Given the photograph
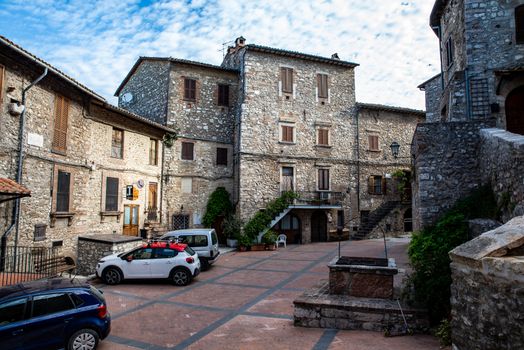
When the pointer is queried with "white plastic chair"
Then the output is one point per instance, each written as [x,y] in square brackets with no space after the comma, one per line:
[281,239]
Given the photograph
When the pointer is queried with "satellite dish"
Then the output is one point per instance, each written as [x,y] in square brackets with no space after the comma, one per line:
[127,97]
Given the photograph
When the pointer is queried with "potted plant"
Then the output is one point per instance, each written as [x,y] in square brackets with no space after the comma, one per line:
[269,239]
[231,228]
[244,242]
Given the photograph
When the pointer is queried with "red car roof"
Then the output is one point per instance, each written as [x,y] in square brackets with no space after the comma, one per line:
[176,246]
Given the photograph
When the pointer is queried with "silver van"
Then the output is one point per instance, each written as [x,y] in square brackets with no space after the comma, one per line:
[203,240]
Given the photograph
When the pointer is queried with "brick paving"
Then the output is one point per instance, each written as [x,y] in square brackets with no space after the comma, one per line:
[245,301]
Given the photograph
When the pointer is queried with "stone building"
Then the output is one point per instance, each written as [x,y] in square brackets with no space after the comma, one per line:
[481,85]
[268,120]
[91,167]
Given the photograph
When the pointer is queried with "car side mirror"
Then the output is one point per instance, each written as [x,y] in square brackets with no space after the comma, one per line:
[129,258]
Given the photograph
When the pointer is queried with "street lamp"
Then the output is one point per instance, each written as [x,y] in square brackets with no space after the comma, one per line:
[394,149]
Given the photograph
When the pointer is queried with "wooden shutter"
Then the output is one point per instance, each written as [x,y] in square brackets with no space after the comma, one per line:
[111,194]
[373,142]
[323,179]
[189,89]
[153,152]
[60,127]
[221,156]
[519,24]
[286,75]
[371,184]
[62,191]
[322,85]
[384,186]
[187,150]
[323,137]
[2,73]
[287,133]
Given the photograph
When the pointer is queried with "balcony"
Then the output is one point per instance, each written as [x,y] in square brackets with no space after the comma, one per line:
[324,199]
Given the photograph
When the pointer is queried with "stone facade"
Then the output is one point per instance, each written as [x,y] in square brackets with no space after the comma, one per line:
[433,91]
[487,295]
[85,154]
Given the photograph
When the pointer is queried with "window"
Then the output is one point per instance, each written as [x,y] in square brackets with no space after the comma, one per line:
[194,240]
[111,194]
[186,185]
[187,150]
[51,303]
[12,311]
[180,222]
[373,143]
[221,156]
[2,72]
[340,218]
[286,77]
[60,129]
[142,253]
[165,253]
[63,191]
[117,144]
[223,95]
[153,152]
[323,137]
[323,179]
[322,85]
[376,185]
[519,24]
[449,52]
[189,89]
[39,234]
[287,132]
[287,179]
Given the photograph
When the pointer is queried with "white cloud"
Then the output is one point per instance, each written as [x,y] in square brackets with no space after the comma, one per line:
[97,42]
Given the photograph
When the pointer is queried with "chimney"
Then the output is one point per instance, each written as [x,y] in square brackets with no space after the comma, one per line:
[335,56]
[240,41]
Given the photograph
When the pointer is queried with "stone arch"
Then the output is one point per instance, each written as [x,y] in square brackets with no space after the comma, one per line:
[514,108]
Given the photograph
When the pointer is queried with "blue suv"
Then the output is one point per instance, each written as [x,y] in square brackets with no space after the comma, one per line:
[53,313]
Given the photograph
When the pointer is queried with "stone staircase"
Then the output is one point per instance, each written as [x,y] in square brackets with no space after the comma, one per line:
[374,219]
[273,222]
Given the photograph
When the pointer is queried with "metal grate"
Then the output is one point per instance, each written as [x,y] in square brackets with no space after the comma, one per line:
[480,107]
[180,222]
[39,234]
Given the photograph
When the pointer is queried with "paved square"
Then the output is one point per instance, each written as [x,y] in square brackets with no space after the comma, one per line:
[245,301]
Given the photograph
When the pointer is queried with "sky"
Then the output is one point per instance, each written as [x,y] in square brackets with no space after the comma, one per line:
[97,42]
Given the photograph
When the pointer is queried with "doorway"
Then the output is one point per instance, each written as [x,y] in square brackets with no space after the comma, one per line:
[131,219]
[318,226]
[515,111]
[152,197]
[290,226]
[408,220]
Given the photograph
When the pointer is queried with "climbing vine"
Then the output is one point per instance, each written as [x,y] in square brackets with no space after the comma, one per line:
[218,204]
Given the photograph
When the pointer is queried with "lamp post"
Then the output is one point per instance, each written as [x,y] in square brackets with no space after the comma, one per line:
[394,149]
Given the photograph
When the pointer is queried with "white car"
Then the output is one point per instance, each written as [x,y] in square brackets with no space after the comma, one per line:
[202,240]
[175,261]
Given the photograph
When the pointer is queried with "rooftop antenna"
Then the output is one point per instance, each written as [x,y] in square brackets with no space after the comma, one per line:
[223,49]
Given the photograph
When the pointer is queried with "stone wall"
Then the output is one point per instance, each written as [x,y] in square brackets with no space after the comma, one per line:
[94,247]
[433,90]
[446,167]
[487,293]
[149,89]
[501,165]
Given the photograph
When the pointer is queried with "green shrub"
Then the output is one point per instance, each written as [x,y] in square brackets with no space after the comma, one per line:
[244,241]
[428,251]
[443,333]
[270,237]
[231,226]
[218,204]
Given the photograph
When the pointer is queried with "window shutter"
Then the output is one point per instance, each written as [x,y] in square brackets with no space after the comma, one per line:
[111,194]
[323,137]
[187,150]
[384,186]
[519,24]
[371,184]
[60,128]
[190,87]
[62,191]
[322,85]
[286,75]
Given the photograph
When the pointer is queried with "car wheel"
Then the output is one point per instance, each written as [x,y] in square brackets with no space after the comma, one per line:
[84,339]
[112,276]
[204,264]
[181,277]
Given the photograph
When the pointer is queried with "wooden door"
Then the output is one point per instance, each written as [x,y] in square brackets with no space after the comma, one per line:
[515,111]
[318,226]
[131,219]
[152,200]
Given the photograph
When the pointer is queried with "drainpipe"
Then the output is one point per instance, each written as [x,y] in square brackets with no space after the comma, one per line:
[21,156]
[358,159]
[239,121]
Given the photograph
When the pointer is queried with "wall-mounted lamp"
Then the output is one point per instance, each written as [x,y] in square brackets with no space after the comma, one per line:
[394,149]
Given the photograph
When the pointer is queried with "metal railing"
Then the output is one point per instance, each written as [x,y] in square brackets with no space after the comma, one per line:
[319,198]
[152,214]
[18,264]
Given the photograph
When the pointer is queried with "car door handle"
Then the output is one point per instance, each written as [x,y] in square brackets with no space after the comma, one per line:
[18,331]
[146,263]
[67,320]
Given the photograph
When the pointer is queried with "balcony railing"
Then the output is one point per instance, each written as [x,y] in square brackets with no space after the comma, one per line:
[319,198]
[152,214]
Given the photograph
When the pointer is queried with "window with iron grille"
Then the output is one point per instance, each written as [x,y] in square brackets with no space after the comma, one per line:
[39,234]
[189,89]
[223,95]
[153,152]
[111,194]
[287,133]
[323,179]
[117,144]
[60,128]
[373,143]
[221,156]
[286,76]
[180,222]
[519,24]
[187,150]
[322,85]
[62,191]
[323,137]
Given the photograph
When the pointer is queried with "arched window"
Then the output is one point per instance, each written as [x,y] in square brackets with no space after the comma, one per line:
[519,24]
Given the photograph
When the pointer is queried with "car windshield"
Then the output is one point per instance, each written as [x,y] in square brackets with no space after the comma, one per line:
[189,251]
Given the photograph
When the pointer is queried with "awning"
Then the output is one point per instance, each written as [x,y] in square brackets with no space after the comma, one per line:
[10,190]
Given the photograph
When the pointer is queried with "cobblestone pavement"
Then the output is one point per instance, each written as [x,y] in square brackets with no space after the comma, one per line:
[245,301]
